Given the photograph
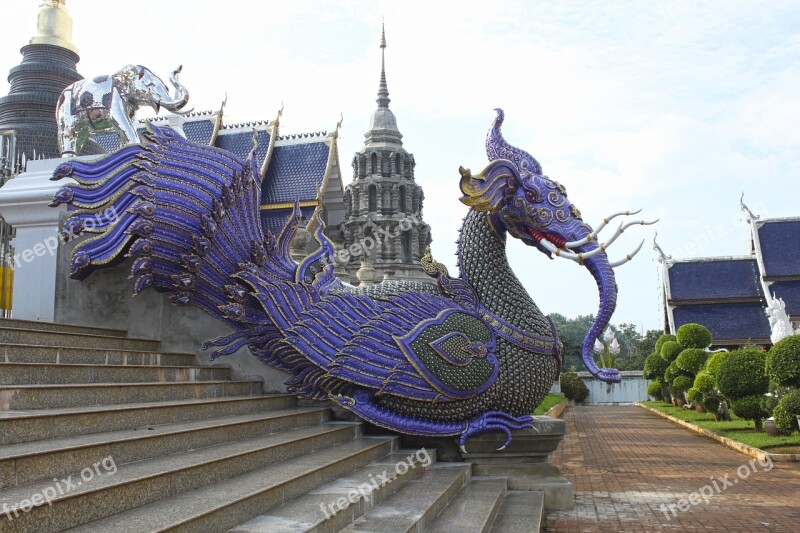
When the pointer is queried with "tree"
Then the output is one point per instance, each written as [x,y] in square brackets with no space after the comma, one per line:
[634,347]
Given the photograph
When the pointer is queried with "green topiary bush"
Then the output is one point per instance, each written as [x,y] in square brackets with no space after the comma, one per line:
[670,350]
[654,366]
[711,404]
[791,403]
[694,395]
[783,361]
[694,336]
[661,340]
[704,382]
[671,372]
[749,408]
[691,360]
[715,361]
[743,374]
[654,390]
[573,387]
[785,422]
[682,383]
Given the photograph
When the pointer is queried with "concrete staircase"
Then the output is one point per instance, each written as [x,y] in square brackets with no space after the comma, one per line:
[101,432]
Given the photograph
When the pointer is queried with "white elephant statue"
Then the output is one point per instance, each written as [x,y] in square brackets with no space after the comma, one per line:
[109,102]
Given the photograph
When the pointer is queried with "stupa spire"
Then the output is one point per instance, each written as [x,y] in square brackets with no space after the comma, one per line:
[383,89]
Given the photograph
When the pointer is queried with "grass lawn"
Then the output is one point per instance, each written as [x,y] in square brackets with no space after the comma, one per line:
[550,401]
[737,429]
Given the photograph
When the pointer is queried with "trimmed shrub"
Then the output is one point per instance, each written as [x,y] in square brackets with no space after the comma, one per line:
[785,422]
[704,382]
[715,361]
[783,361]
[670,350]
[694,395]
[654,390]
[711,404]
[694,336]
[682,383]
[654,366]
[791,403]
[749,408]
[743,374]
[573,387]
[671,372]
[691,360]
[661,340]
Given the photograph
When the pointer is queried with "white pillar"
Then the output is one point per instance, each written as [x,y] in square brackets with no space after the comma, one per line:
[24,204]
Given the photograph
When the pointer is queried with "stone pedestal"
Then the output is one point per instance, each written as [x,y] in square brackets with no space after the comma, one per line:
[525,461]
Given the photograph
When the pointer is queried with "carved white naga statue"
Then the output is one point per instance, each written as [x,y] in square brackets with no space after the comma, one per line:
[779,321]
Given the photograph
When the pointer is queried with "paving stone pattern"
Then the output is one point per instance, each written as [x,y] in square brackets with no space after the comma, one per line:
[626,462]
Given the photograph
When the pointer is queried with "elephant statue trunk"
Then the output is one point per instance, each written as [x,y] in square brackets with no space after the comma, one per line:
[181,97]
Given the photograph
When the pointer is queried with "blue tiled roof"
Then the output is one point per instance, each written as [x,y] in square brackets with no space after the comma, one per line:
[780,247]
[275,219]
[299,169]
[790,292]
[199,131]
[107,139]
[241,142]
[726,321]
[714,280]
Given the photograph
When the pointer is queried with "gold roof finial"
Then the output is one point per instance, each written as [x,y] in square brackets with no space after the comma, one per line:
[383,34]
[54,25]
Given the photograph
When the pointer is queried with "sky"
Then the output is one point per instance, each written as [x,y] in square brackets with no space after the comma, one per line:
[675,107]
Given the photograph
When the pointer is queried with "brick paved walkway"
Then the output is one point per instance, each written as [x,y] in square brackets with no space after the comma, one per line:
[625,463]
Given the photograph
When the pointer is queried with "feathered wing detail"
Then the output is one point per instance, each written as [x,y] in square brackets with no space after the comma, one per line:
[317,268]
[187,216]
[410,345]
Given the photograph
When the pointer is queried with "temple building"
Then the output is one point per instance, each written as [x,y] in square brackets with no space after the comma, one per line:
[731,295]
[375,222]
[383,232]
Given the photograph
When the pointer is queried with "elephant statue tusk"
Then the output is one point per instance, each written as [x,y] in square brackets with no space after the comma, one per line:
[628,257]
[593,235]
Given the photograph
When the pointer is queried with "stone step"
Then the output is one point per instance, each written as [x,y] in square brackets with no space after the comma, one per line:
[33,461]
[143,497]
[30,397]
[50,374]
[336,505]
[32,353]
[474,509]
[27,426]
[35,325]
[522,512]
[417,503]
[11,335]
